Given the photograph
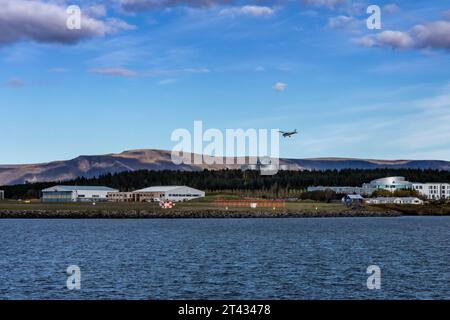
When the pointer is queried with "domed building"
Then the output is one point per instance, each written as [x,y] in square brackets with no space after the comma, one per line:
[390,183]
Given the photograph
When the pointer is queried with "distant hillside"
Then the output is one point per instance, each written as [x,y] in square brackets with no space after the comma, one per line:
[92,166]
[342,163]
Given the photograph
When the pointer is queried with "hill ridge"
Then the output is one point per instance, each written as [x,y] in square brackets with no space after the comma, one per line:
[154,159]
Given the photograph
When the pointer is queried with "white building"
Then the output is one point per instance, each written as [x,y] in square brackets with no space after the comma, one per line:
[433,191]
[76,194]
[171,193]
[389,183]
[430,191]
[394,200]
[2,195]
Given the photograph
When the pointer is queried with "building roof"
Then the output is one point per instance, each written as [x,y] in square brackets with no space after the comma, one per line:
[79,188]
[431,183]
[395,198]
[355,196]
[408,198]
[162,188]
[397,180]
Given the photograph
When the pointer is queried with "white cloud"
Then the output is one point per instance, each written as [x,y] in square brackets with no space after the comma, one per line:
[46,22]
[393,39]
[343,22]
[260,69]
[165,82]
[391,8]
[171,73]
[355,9]
[250,9]
[125,72]
[120,72]
[331,4]
[279,86]
[58,70]
[434,35]
[255,11]
[146,5]
[194,70]
[95,11]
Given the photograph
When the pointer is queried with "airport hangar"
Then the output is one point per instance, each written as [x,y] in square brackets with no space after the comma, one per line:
[76,194]
[157,193]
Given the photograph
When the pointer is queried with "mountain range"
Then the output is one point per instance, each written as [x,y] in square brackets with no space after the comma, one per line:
[149,159]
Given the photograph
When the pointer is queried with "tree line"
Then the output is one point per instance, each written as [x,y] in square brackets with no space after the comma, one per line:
[284,183]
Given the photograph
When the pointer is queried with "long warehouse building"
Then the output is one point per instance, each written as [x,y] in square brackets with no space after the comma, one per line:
[76,194]
[157,193]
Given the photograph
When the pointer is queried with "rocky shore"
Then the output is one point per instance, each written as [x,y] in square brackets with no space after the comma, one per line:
[177,214]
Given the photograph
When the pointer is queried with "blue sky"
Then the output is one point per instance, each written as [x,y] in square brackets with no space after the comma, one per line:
[139,69]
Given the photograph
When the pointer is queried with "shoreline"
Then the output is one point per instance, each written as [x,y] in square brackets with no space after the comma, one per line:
[187,214]
[205,210]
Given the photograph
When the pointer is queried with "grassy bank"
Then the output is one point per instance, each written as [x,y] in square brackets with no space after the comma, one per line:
[424,210]
[205,208]
[207,204]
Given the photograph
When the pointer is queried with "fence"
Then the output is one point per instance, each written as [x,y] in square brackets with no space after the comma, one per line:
[250,203]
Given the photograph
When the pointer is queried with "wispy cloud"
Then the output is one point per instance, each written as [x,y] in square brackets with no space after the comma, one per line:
[194,70]
[119,72]
[58,70]
[434,135]
[419,130]
[174,72]
[331,4]
[235,6]
[391,8]
[255,11]
[15,83]
[125,72]
[348,23]
[166,82]
[95,11]
[340,21]
[146,5]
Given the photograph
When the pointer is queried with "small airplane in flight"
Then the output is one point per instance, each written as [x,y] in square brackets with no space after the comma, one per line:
[288,134]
